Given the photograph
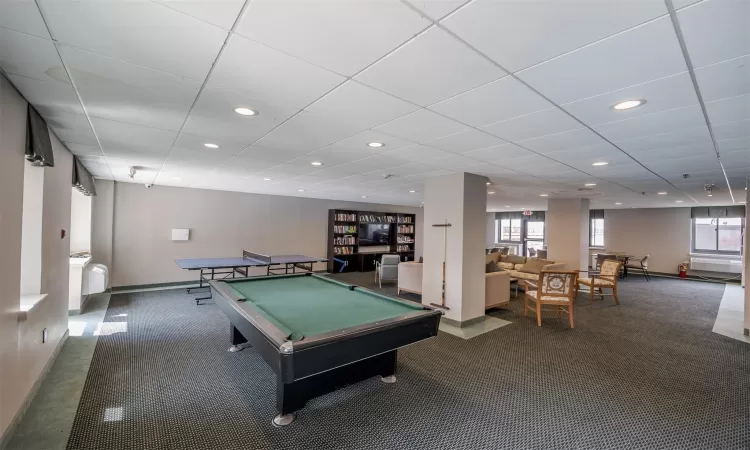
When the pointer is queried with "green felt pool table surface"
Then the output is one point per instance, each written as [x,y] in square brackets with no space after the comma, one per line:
[309,305]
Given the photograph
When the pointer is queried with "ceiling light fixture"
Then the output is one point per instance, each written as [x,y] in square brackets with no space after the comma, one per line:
[544,195]
[245,111]
[266,179]
[590,184]
[316,163]
[661,193]
[600,163]
[618,203]
[300,190]
[491,192]
[488,183]
[678,201]
[364,196]
[176,178]
[628,104]
[710,195]
[209,145]
[376,144]
[412,191]
[507,206]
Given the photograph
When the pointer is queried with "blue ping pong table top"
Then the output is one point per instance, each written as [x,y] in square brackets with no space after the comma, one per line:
[225,263]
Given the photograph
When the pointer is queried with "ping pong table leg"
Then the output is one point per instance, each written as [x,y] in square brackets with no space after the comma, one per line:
[208,297]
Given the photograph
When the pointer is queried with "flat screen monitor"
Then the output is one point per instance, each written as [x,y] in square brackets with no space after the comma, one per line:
[374,234]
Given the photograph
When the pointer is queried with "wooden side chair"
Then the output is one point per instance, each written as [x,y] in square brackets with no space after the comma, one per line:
[605,278]
[557,288]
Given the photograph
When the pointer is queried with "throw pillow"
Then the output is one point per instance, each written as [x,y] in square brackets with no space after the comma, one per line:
[515,259]
[534,265]
[491,267]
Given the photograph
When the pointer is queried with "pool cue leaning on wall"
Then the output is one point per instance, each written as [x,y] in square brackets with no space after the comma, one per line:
[444,226]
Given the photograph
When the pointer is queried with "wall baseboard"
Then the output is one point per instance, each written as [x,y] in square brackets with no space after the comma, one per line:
[5,438]
[116,289]
[77,312]
[465,323]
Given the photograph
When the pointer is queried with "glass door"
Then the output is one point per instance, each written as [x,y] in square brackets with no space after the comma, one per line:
[534,238]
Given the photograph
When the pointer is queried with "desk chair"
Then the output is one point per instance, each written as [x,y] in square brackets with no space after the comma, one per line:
[387,269]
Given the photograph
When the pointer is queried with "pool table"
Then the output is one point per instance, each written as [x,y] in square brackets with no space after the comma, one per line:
[318,334]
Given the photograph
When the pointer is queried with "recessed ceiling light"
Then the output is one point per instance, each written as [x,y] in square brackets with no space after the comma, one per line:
[266,179]
[375,144]
[678,201]
[488,183]
[209,145]
[245,111]
[600,163]
[364,196]
[741,203]
[590,184]
[628,104]
[176,178]
[491,192]
[661,193]
[618,203]
[316,163]
[507,206]
[544,195]
[710,195]
[300,190]
[412,191]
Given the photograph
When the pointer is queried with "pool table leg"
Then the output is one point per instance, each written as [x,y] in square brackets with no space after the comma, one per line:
[291,397]
[238,341]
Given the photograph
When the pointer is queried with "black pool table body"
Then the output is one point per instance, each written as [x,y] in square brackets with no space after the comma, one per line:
[319,364]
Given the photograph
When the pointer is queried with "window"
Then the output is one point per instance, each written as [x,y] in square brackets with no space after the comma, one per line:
[510,230]
[596,234]
[717,235]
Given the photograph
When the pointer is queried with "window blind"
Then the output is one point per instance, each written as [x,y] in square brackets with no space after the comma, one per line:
[596,214]
[82,179]
[709,212]
[38,145]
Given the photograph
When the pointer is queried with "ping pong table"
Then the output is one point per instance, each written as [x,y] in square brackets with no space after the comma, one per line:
[221,268]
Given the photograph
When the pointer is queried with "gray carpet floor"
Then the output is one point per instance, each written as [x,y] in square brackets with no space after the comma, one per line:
[648,374]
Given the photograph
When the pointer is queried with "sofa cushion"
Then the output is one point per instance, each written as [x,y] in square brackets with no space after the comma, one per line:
[491,267]
[515,259]
[517,266]
[494,257]
[525,276]
[534,265]
[505,265]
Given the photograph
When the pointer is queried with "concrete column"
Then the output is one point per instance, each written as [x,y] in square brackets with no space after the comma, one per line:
[461,200]
[567,230]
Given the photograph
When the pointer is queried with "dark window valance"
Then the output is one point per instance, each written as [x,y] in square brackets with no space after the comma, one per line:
[708,212]
[82,179]
[596,214]
[537,216]
[38,145]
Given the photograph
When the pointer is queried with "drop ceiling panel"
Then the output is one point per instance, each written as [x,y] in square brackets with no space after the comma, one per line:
[466,141]
[213,116]
[336,155]
[566,140]
[729,110]
[698,135]
[143,33]
[537,124]
[737,158]
[683,164]
[71,127]
[30,56]
[359,142]
[344,37]
[308,132]
[499,153]
[221,13]
[437,9]
[23,16]
[499,100]
[583,158]
[379,162]
[46,95]
[724,80]
[273,154]
[641,54]
[432,67]
[116,90]
[361,105]
[657,123]
[452,162]
[422,126]
[417,153]
[124,140]
[734,145]
[732,130]
[675,152]
[672,92]
[532,31]
[715,31]
[261,72]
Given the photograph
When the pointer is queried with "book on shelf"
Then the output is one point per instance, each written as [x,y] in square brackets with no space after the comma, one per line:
[404,240]
[403,248]
[345,229]
[404,219]
[345,240]
[406,229]
[343,250]
[373,218]
[341,217]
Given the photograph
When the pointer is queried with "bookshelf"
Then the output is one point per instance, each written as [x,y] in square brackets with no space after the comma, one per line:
[344,238]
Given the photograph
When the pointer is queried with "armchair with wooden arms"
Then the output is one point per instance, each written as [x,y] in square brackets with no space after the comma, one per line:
[557,288]
[605,278]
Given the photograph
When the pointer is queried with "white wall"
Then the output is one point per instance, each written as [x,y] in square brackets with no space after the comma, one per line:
[22,354]
[662,233]
[489,232]
[31,233]
[102,218]
[567,231]
[221,223]
[80,221]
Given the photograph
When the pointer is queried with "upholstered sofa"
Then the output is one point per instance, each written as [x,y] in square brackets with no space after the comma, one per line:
[496,285]
[514,264]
